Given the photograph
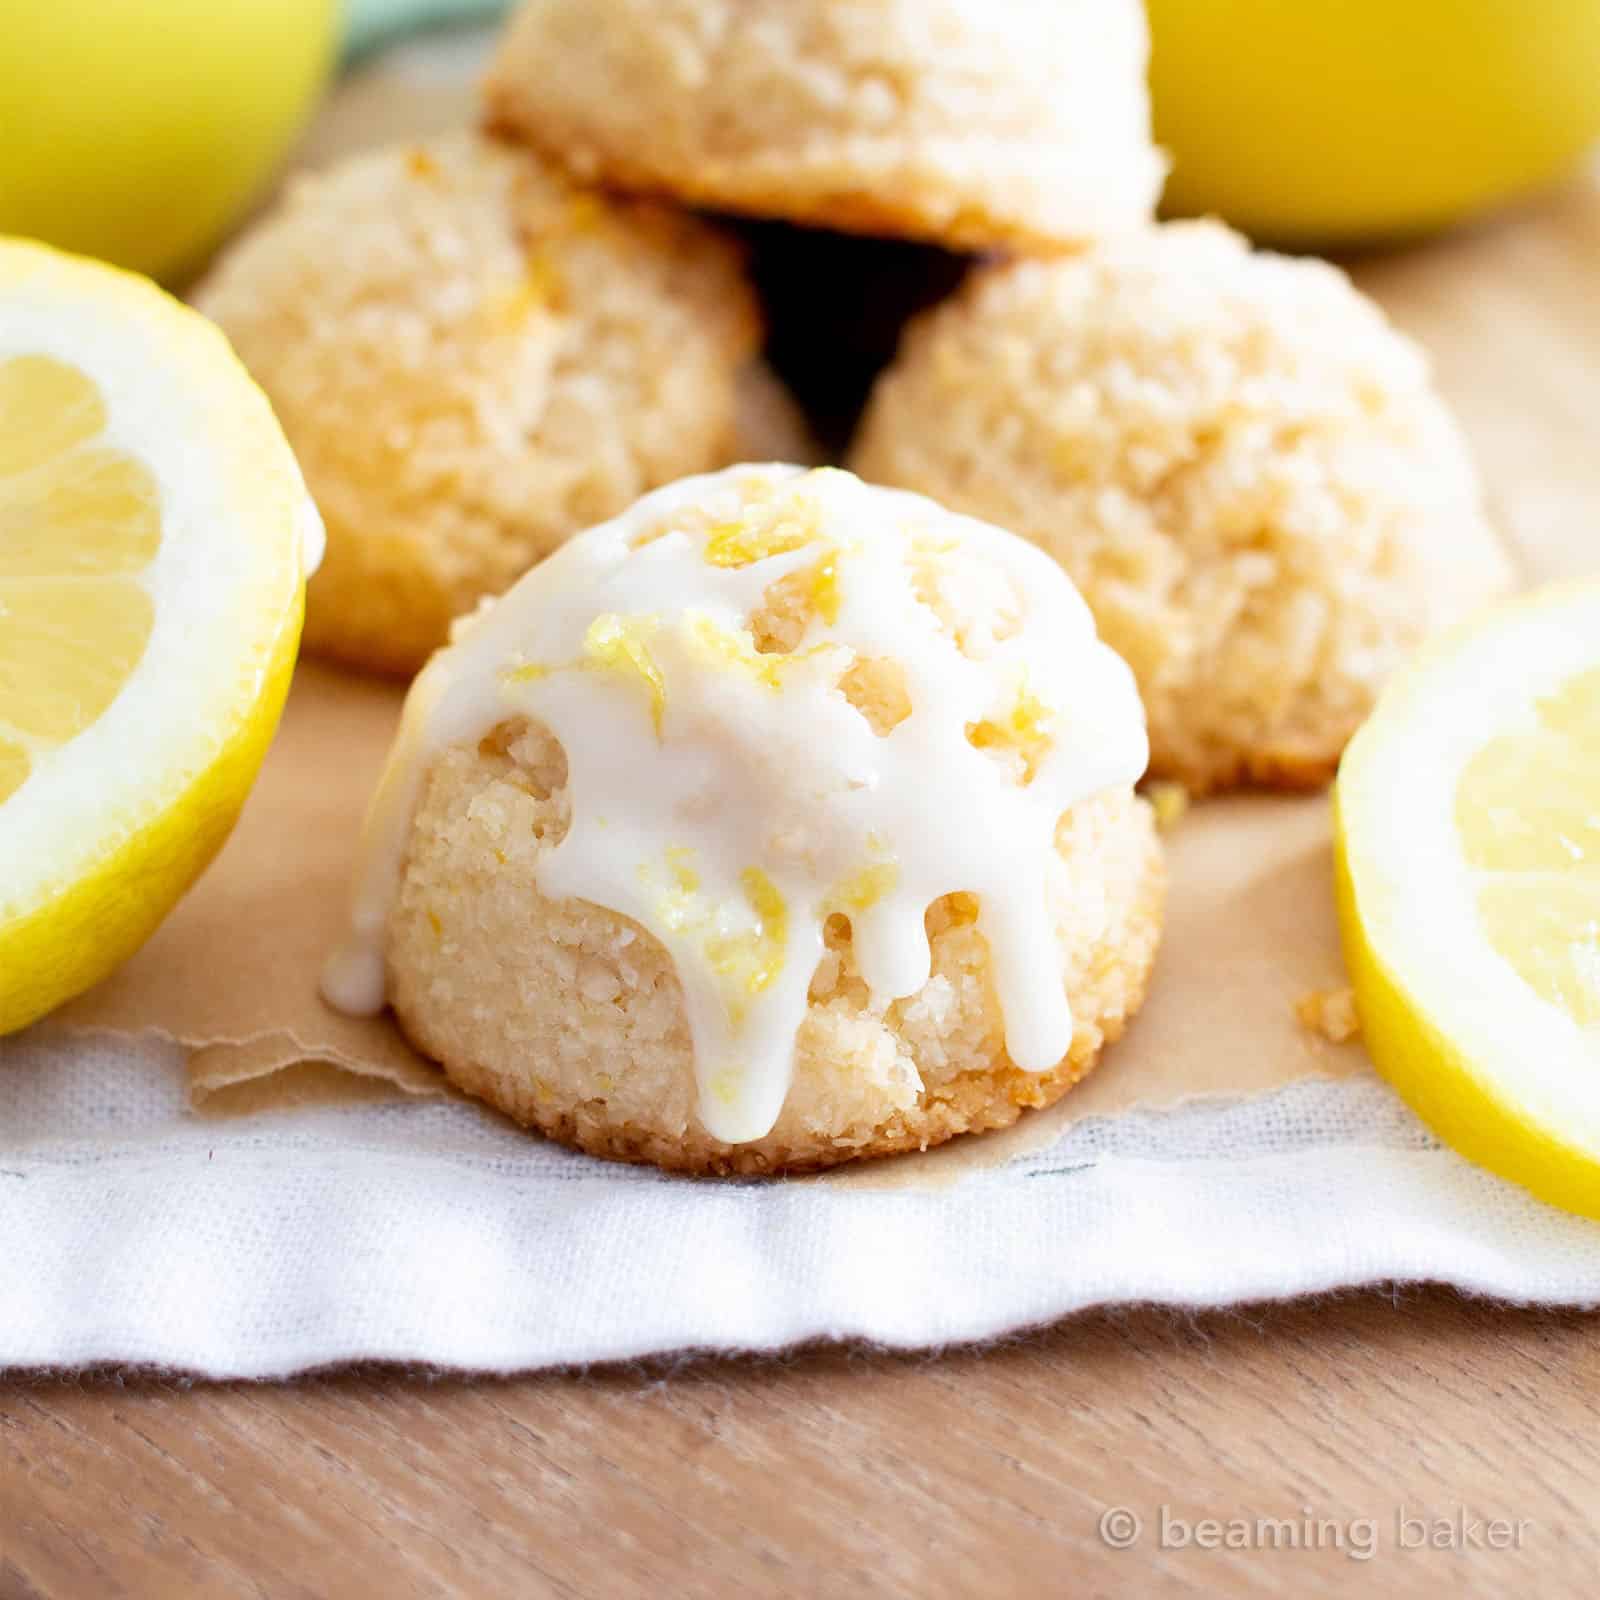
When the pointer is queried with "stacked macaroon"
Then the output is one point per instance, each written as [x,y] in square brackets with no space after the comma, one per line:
[474,358]
[482,344]
[1242,466]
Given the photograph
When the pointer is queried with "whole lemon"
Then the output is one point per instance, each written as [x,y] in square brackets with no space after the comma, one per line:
[136,130]
[1315,122]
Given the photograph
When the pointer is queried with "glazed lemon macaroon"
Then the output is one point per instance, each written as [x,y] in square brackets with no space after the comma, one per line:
[970,123]
[473,359]
[1244,468]
[779,821]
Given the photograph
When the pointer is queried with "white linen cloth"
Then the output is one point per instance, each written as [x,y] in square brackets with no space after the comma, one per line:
[132,1231]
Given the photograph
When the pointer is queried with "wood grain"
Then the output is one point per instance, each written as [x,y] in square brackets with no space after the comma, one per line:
[979,1472]
[842,1472]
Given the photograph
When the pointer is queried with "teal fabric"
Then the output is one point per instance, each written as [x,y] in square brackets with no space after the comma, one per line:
[372,24]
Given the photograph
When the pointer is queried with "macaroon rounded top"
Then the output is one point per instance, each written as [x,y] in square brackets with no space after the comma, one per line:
[473,358]
[972,123]
[1245,469]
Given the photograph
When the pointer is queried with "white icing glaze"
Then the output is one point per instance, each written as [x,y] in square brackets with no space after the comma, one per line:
[729,801]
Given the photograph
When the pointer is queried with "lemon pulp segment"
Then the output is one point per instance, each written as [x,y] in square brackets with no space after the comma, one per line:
[1527,808]
[77,525]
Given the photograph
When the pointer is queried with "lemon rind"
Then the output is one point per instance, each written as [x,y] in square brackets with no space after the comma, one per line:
[126,815]
[1496,1104]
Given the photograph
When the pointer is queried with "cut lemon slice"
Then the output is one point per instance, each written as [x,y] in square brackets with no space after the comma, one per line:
[154,541]
[1468,861]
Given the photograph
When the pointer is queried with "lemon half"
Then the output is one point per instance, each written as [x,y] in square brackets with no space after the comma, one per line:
[1468,866]
[155,537]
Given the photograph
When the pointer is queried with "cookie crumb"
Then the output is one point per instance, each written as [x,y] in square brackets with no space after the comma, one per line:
[1170,801]
[1330,1012]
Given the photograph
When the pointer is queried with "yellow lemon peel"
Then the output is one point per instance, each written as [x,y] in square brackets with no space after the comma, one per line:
[1027,728]
[621,645]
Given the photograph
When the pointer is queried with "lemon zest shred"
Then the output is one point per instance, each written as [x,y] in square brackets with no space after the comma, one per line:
[739,544]
[823,586]
[525,672]
[680,860]
[1028,728]
[620,645]
[751,962]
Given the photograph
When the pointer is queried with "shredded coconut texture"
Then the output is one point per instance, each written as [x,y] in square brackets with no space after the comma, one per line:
[968,122]
[1244,468]
[473,359]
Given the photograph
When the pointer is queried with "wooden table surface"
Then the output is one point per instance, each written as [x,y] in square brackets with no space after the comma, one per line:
[1326,1439]
[1372,1421]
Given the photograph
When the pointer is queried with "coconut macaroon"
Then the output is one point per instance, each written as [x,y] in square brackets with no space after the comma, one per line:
[1244,468]
[472,360]
[780,821]
[971,123]
[769,424]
